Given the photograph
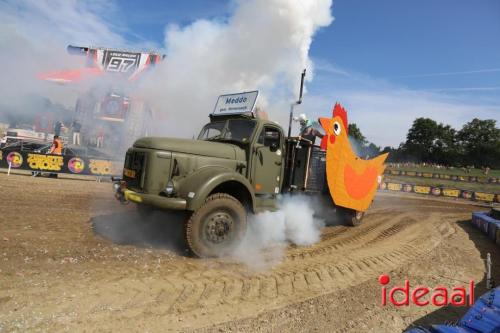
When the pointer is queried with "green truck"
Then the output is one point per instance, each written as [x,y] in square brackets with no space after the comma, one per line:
[239,165]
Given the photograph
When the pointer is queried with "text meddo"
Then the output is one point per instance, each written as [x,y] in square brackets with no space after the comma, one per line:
[232,100]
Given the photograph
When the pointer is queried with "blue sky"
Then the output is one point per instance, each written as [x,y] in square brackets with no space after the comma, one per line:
[443,52]
[400,40]
[446,45]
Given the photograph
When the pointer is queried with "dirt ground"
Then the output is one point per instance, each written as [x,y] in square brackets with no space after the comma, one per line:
[73,259]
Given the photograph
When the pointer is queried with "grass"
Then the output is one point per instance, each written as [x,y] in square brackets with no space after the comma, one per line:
[480,187]
[454,171]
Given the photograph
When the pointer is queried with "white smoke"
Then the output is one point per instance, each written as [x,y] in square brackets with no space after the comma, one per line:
[269,233]
[356,146]
[263,45]
[33,40]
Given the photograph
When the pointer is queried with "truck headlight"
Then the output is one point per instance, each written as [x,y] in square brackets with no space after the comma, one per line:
[170,188]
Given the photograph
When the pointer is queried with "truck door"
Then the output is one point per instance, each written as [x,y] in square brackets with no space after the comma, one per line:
[267,161]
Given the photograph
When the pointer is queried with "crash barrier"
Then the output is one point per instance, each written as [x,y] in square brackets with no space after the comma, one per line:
[488,224]
[440,191]
[483,316]
[19,160]
[458,178]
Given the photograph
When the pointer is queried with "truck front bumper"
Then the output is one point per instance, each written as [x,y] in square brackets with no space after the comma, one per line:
[155,200]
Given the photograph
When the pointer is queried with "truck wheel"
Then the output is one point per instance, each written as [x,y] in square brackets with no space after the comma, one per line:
[217,226]
[350,216]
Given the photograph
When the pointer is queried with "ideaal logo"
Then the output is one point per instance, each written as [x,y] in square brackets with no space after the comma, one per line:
[76,165]
[423,295]
[15,159]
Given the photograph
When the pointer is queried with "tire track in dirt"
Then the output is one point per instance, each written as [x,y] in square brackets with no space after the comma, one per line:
[327,267]
[346,240]
[353,258]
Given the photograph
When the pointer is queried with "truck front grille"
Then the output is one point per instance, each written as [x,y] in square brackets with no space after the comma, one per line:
[136,162]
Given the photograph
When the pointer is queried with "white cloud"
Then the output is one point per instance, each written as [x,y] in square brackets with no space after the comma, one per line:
[477,71]
[321,65]
[384,111]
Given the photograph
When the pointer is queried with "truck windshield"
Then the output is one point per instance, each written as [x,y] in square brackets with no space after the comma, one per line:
[236,130]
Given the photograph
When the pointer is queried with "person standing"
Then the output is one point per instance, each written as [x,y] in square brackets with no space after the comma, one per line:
[57,146]
[57,128]
[76,132]
[307,130]
[100,137]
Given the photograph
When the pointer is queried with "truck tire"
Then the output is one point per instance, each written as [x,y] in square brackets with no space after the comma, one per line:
[350,216]
[216,227]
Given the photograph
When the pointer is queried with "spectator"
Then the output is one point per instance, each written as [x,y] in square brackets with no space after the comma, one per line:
[100,137]
[57,128]
[57,146]
[76,132]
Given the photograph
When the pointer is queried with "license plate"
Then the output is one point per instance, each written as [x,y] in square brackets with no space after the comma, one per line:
[129,173]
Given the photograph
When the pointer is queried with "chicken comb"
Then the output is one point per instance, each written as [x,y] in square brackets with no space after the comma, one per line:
[339,111]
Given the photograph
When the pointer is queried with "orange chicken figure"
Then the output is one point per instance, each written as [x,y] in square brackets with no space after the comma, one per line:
[352,181]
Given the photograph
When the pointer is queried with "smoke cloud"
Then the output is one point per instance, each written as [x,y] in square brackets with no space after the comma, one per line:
[263,45]
[269,233]
[356,146]
[33,39]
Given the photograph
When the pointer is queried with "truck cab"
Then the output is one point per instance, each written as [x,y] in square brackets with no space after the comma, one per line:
[263,145]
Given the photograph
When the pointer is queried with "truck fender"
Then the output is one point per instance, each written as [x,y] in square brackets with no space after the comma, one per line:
[199,185]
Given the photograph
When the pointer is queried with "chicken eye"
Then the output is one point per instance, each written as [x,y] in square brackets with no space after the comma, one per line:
[336,128]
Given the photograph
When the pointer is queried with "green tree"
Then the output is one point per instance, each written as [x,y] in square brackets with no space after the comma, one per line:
[444,149]
[428,141]
[372,150]
[420,139]
[363,147]
[479,142]
[355,133]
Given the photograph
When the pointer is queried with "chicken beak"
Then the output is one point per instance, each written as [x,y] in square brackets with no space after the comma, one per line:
[326,123]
